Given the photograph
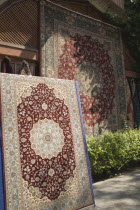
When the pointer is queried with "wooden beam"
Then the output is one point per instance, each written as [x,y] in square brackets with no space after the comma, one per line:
[132,74]
[72,2]
[19,53]
[6,4]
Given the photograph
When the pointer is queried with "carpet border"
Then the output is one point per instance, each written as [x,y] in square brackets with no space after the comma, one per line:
[84,139]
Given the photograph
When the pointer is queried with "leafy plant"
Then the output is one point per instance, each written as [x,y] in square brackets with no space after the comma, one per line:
[111,153]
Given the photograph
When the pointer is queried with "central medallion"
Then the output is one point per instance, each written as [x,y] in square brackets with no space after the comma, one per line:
[44,138]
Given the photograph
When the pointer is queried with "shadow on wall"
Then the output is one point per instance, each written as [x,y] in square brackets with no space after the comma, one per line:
[86,60]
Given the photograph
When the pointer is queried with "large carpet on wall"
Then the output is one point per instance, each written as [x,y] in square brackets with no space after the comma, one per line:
[78,48]
[45,156]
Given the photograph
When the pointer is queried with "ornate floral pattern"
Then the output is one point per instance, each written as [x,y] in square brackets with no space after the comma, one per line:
[83,49]
[44,155]
[90,52]
[48,174]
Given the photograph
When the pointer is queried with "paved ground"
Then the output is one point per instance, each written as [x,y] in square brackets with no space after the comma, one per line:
[119,193]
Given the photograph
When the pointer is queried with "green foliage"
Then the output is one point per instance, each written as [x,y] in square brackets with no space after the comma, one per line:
[129,23]
[112,152]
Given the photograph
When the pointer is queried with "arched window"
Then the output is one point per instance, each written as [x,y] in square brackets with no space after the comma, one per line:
[14,66]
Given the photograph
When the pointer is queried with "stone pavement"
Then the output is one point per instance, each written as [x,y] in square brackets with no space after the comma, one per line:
[119,193]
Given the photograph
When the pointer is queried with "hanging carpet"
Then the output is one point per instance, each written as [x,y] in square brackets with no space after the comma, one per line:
[45,156]
[80,48]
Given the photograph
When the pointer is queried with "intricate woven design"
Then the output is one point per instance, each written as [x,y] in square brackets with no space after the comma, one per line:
[44,152]
[19,24]
[82,49]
